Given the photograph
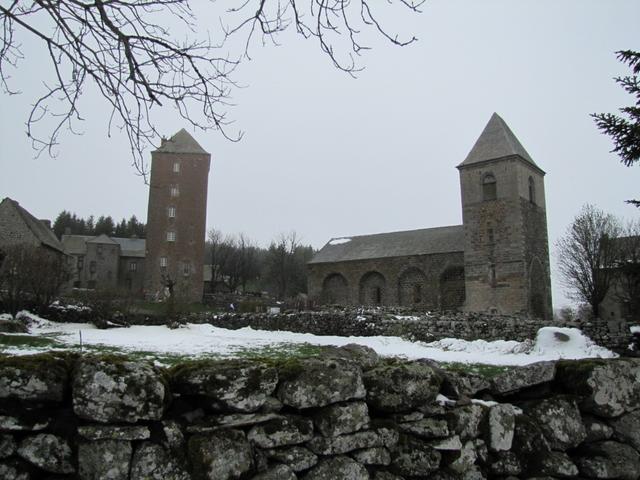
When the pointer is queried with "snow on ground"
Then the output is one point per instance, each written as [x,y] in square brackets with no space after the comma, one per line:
[551,343]
[635,329]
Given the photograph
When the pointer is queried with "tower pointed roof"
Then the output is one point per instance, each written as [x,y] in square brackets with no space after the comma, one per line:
[181,142]
[496,141]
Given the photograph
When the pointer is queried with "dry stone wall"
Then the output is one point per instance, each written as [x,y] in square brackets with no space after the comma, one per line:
[421,327]
[344,415]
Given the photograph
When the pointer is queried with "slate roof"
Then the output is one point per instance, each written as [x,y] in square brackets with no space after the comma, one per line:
[129,247]
[132,247]
[41,231]
[181,142]
[75,244]
[395,244]
[496,141]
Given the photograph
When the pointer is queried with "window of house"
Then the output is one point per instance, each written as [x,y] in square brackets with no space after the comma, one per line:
[99,249]
[172,212]
[133,267]
[80,264]
[186,269]
[92,267]
[488,187]
[492,275]
[163,262]
[532,190]
[175,191]
[171,236]
[176,167]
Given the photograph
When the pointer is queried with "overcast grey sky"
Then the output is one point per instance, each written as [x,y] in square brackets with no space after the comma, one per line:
[328,156]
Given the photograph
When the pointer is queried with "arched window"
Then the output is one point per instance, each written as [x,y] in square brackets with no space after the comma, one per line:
[532,190]
[488,187]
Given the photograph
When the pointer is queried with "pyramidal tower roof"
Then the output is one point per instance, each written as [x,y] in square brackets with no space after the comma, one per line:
[181,142]
[496,141]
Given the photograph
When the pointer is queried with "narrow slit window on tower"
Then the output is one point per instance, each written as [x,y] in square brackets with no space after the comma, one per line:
[172,212]
[171,236]
[176,167]
[488,187]
[532,190]
[186,269]
[163,262]
[175,191]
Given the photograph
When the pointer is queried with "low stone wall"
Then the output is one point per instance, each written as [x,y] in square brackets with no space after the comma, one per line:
[427,328]
[344,415]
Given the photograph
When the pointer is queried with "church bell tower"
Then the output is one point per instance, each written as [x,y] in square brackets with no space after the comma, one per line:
[506,253]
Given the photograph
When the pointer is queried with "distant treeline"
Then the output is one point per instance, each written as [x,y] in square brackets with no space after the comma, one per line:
[67,222]
[238,264]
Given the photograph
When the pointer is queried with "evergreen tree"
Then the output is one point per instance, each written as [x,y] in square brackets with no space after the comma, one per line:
[121,229]
[105,225]
[625,130]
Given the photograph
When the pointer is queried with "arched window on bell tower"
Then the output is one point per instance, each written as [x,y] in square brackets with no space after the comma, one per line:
[532,190]
[488,187]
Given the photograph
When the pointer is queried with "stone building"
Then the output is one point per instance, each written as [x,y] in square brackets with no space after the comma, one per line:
[103,262]
[496,261]
[19,227]
[176,218]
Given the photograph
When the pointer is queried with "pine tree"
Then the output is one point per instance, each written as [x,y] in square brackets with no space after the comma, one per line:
[625,130]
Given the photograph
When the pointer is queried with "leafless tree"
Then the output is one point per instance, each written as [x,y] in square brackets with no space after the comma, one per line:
[131,51]
[587,256]
[31,275]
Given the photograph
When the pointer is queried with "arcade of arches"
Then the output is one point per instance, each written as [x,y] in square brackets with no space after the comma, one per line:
[411,288]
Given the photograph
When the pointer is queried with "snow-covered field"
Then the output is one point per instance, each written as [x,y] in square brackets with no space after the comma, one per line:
[205,340]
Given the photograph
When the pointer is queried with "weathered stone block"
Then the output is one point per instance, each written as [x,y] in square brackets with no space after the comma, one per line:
[398,388]
[414,457]
[14,469]
[596,429]
[352,441]
[285,430]
[277,472]
[558,464]
[7,445]
[236,385]
[152,462]
[220,456]
[609,459]
[24,422]
[372,456]
[427,428]
[98,432]
[49,452]
[609,387]
[37,378]
[104,460]
[519,378]
[337,468]
[506,463]
[297,457]
[118,391]
[560,422]
[499,427]
[465,421]
[627,429]
[317,383]
[342,418]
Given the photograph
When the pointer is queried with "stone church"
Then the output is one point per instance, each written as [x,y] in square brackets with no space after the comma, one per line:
[497,261]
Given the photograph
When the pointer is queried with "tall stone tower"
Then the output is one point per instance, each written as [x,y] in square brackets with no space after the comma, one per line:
[176,218]
[506,255]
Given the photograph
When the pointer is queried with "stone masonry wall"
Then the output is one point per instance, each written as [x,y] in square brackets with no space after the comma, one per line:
[423,327]
[344,415]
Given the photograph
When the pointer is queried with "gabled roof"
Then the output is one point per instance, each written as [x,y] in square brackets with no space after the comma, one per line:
[75,244]
[181,142]
[496,141]
[129,247]
[103,239]
[41,231]
[395,244]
